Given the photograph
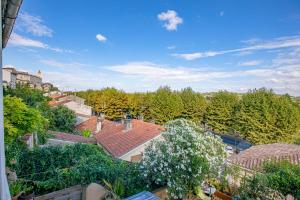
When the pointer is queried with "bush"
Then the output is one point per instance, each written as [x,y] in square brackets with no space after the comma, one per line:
[185,157]
[62,119]
[276,178]
[55,168]
[86,133]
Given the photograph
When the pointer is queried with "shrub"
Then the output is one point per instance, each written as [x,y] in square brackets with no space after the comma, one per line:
[86,133]
[276,178]
[55,168]
[185,157]
[62,119]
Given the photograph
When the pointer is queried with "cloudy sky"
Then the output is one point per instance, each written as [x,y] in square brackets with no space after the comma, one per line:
[138,45]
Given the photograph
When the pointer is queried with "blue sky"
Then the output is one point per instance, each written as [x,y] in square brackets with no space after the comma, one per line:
[139,45]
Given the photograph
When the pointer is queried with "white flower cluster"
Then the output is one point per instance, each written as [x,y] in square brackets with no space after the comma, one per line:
[185,157]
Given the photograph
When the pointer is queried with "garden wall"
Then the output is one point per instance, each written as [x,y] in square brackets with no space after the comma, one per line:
[75,193]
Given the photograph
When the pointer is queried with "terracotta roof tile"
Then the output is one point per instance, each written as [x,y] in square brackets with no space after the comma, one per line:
[72,137]
[118,142]
[89,124]
[254,157]
[56,103]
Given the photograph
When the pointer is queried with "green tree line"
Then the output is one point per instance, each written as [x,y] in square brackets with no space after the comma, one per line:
[260,115]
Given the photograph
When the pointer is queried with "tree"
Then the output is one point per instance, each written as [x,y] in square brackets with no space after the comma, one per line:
[264,117]
[166,105]
[31,97]
[110,101]
[219,112]
[185,157]
[62,119]
[19,119]
[194,105]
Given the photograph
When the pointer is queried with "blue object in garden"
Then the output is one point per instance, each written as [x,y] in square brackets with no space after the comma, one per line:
[143,196]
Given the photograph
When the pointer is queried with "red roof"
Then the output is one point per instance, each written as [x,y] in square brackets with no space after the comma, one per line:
[254,157]
[56,103]
[89,124]
[72,137]
[118,142]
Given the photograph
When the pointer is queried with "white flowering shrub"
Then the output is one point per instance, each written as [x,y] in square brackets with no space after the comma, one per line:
[185,157]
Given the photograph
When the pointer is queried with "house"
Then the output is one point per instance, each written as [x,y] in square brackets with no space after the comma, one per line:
[9,75]
[127,139]
[60,138]
[12,77]
[252,159]
[92,124]
[47,87]
[74,103]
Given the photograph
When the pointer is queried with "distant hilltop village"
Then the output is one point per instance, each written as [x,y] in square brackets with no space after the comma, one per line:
[13,77]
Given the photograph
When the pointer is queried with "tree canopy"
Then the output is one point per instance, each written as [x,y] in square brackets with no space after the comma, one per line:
[220,110]
[20,119]
[62,119]
[264,117]
[194,105]
[166,105]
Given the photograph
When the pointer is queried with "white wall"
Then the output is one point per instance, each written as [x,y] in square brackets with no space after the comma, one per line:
[79,108]
[138,150]
[6,75]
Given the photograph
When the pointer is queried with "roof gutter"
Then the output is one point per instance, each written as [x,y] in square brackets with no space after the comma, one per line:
[10,9]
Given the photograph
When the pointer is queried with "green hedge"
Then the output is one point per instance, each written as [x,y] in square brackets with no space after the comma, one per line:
[55,168]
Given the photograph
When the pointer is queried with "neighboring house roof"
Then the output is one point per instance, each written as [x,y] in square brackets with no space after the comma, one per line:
[254,157]
[57,103]
[89,124]
[118,142]
[72,137]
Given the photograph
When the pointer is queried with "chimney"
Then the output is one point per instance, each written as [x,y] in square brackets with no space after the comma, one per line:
[141,117]
[100,120]
[128,124]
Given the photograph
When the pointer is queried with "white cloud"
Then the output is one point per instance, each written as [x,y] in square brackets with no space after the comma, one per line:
[277,43]
[171,47]
[283,78]
[18,40]
[101,38]
[149,70]
[193,56]
[221,13]
[32,24]
[250,63]
[172,20]
[55,63]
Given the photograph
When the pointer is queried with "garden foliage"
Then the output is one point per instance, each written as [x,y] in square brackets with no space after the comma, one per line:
[54,168]
[185,157]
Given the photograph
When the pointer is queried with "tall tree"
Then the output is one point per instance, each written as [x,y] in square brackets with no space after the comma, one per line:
[194,105]
[219,112]
[20,119]
[166,105]
[264,117]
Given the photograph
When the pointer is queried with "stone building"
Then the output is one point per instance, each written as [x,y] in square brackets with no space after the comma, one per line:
[9,76]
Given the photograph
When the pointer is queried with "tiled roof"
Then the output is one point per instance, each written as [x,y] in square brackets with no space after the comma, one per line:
[56,103]
[72,137]
[118,142]
[254,157]
[89,124]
